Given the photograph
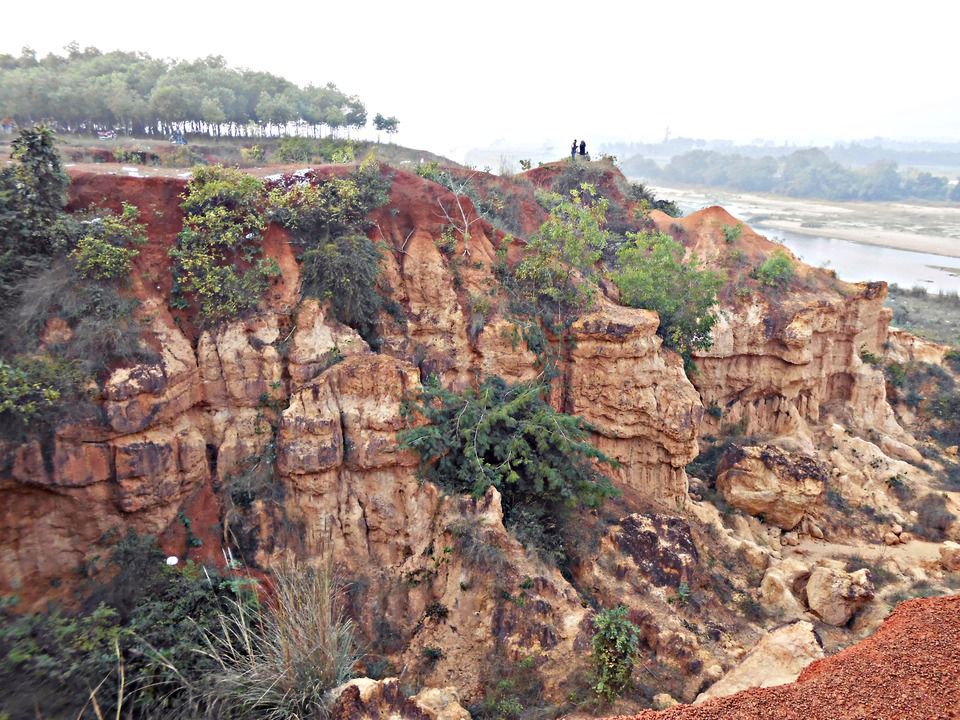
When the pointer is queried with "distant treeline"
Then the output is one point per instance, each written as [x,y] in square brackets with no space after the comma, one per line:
[87,90]
[855,154]
[802,173]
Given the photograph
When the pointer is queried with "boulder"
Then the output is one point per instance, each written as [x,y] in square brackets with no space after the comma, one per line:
[835,595]
[768,481]
[441,704]
[777,659]
[662,701]
[950,556]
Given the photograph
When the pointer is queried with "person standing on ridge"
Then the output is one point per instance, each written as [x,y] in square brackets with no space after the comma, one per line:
[573,150]
[583,148]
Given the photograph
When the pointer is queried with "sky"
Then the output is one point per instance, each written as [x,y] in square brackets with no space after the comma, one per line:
[463,75]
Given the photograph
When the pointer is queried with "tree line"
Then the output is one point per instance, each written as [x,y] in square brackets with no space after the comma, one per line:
[88,91]
[803,173]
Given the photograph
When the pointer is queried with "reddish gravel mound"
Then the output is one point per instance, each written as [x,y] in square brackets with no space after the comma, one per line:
[908,670]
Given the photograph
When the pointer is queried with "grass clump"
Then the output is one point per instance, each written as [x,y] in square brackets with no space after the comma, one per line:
[280,660]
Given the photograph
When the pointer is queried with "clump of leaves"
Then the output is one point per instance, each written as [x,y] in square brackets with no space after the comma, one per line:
[509,437]
[108,246]
[217,259]
[32,390]
[776,271]
[652,274]
[571,241]
[341,264]
[615,646]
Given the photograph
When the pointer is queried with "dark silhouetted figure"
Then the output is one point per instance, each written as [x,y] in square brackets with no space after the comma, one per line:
[573,150]
[583,148]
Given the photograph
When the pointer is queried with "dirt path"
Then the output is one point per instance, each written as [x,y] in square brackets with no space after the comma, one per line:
[911,554]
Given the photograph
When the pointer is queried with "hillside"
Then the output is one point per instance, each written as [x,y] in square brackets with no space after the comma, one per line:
[266,419]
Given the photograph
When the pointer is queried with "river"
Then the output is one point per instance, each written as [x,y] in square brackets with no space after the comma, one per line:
[852,261]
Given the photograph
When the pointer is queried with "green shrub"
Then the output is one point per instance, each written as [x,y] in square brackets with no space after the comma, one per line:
[508,436]
[653,275]
[106,250]
[154,615]
[569,242]
[615,646]
[295,149]
[222,234]
[32,392]
[253,154]
[32,197]
[344,272]
[341,264]
[776,271]
[732,233]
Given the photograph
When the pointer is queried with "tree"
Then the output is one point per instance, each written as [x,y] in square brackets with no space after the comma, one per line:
[569,243]
[653,275]
[508,437]
[389,125]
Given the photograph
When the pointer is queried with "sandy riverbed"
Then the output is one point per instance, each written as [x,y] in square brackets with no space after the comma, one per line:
[929,228]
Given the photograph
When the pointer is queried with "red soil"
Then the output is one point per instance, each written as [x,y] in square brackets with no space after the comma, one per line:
[908,670]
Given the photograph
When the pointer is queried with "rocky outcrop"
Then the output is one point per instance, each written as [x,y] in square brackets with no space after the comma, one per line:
[644,411]
[777,659]
[770,482]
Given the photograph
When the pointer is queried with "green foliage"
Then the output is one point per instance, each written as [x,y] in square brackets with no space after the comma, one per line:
[134,93]
[732,233]
[32,390]
[32,198]
[653,275]
[296,149]
[808,172]
[344,272]
[389,125]
[569,243]
[216,259]
[615,646]
[154,615]
[341,264]
[509,437]
[105,251]
[253,154]
[776,271]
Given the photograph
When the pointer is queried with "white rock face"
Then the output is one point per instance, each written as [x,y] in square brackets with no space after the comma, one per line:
[777,659]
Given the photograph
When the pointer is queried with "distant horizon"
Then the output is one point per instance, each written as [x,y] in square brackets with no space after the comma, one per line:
[458,77]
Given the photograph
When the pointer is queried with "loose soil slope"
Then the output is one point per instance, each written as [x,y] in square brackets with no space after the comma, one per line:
[907,669]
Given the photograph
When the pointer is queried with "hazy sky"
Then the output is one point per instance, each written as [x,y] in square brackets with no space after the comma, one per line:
[460,75]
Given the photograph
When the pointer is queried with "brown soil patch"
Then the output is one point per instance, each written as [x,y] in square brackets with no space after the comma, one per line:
[906,671]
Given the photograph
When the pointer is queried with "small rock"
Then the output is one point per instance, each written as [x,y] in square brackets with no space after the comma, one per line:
[897,518]
[897,528]
[950,556]
[816,532]
[890,538]
[713,673]
[952,451]
[905,537]
[663,701]
[790,538]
